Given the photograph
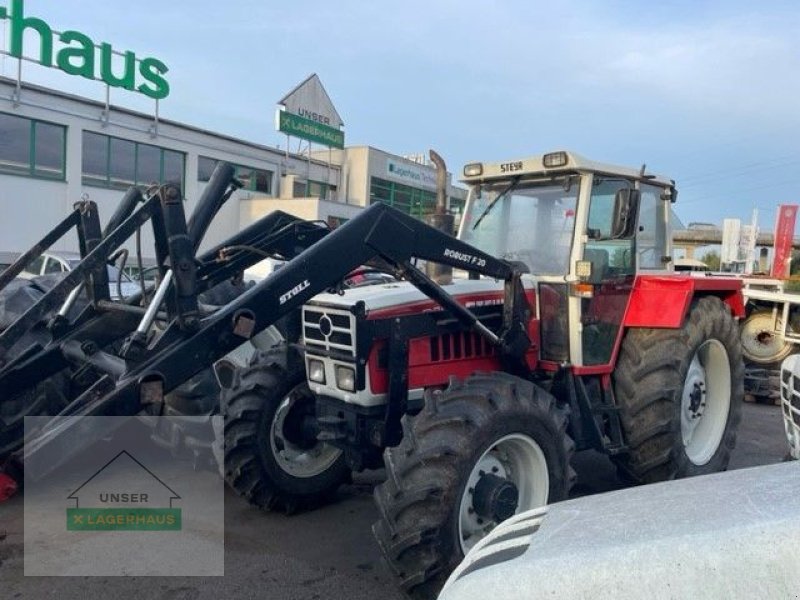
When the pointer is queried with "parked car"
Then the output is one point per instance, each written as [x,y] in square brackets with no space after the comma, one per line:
[62,262]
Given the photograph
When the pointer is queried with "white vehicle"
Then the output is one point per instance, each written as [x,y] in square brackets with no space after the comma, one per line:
[721,536]
[119,284]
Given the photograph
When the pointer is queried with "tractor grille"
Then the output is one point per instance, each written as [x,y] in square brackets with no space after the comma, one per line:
[790,402]
[329,329]
[459,345]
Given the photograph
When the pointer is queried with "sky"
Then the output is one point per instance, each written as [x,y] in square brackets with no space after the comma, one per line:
[703,92]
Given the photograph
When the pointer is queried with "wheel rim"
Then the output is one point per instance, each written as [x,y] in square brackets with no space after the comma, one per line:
[515,459]
[293,459]
[761,342]
[706,401]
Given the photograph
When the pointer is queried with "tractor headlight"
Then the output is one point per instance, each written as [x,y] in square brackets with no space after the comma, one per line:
[583,269]
[554,159]
[473,170]
[346,379]
[316,371]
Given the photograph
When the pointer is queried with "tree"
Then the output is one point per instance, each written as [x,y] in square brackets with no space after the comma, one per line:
[712,260]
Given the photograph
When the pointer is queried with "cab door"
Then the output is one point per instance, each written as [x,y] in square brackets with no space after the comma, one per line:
[613,268]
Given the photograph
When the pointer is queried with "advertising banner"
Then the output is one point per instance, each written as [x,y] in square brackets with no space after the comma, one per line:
[784,235]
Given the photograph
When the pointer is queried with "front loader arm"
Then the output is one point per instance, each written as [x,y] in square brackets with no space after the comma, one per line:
[380,232]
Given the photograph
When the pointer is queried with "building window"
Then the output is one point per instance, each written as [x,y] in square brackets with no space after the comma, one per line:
[118,164]
[32,148]
[313,189]
[410,200]
[253,180]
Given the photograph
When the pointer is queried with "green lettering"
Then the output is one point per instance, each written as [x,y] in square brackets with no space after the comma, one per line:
[3,12]
[152,70]
[18,26]
[127,80]
[84,52]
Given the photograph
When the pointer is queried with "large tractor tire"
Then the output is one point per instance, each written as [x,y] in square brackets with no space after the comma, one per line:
[680,394]
[760,344]
[45,399]
[271,457]
[478,453]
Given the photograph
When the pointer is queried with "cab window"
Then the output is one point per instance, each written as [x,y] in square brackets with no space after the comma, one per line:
[609,257]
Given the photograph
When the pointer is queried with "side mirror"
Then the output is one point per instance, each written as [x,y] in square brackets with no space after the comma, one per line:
[626,211]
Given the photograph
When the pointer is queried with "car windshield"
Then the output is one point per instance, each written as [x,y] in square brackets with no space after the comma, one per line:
[528,222]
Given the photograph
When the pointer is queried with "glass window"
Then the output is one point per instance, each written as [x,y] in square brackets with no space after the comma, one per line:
[609,258]
[49,150]
[148,164]
[205,167]
[530,222]
[118,163]
[252,179]
[122,163]
[299,189]
[173,167]
[95,158]
[246,176]
[651,242]
[264,181]
[15,144]
[30,147]
[53,266]
[413,201]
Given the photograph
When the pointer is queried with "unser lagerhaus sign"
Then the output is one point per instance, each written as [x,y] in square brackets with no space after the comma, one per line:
[77,54]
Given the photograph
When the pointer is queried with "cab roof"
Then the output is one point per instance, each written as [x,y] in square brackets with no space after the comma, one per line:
[567,162]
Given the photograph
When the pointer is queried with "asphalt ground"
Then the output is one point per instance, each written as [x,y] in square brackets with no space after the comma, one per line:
[326,554]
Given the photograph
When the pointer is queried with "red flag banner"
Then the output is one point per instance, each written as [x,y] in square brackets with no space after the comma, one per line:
[784,235]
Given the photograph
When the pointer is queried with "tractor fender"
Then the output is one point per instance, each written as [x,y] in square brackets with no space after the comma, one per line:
[664,301]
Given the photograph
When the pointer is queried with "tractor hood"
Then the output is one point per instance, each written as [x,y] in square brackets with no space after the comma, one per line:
[402,293]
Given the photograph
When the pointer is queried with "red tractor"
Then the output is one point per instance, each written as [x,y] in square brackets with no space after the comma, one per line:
[568,330]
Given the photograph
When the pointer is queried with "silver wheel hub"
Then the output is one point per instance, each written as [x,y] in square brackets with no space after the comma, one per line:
[705,401]
[510,477]
[302,461]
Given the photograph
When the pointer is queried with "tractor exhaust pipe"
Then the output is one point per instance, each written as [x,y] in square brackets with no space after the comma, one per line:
[440,220]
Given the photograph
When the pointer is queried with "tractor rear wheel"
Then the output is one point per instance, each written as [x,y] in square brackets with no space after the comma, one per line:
[271,457]
[478,453]
[680,394]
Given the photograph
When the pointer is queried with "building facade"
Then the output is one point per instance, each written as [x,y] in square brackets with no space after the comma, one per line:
[57,148]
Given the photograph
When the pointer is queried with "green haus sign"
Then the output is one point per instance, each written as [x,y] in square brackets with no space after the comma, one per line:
[78,54]
[310,130]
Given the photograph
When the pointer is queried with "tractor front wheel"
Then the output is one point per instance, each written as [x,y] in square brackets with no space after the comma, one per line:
[478,453]
[680,395]
[272,456]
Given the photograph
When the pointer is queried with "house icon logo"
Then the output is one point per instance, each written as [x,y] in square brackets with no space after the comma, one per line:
[123,495]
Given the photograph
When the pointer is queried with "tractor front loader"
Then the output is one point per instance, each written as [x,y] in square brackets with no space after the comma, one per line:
[64,342]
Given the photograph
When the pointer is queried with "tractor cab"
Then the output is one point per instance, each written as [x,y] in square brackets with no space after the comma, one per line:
[584,230]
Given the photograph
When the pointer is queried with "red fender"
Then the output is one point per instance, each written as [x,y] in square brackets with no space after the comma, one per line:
[663,301]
